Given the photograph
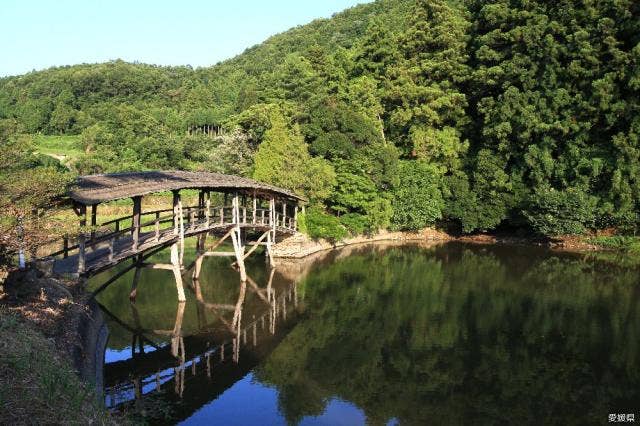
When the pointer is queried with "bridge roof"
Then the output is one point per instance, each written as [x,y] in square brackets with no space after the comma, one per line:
[95,189]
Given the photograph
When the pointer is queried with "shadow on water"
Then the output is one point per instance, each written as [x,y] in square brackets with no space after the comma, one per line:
[445,334]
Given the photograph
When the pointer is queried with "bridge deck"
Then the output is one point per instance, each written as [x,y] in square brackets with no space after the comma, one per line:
[102,256]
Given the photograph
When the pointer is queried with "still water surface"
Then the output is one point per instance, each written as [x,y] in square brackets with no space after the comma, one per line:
[447,334]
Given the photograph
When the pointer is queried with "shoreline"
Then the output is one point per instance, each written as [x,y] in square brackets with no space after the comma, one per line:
[300,246]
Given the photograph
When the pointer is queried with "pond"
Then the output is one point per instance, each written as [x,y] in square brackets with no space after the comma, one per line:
[382,334]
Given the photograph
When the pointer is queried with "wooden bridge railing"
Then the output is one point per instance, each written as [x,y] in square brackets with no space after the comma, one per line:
[112,231]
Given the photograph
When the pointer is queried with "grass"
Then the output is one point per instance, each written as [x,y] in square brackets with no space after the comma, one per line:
[37,385]
[64,148]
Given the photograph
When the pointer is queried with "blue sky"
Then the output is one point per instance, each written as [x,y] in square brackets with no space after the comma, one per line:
[41,34]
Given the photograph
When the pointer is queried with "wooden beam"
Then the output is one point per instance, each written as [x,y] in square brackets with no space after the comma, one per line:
[176,200]
[257,243]
[135,225]
[239,252]
[175,261]
[94,222]
[134,284]
[255,208]
[207,207]
[165,266]
[221,240]
[219,254]
[81,239]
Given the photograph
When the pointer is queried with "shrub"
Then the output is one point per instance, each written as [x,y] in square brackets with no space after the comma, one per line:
[355,223]
[417,200]
[322,225]
[553,212]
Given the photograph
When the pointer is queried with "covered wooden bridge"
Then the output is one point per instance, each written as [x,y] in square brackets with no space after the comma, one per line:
[250,213]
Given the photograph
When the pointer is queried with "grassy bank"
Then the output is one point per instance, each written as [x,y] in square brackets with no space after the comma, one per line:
[37,384]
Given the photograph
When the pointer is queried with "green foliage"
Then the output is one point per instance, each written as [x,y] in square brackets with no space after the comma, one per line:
[417,200]
[501,97]
[322,225]
[355,223]
[22,197]
[553,212]
[283,160]
[231,154]
[302,223]
[626,244]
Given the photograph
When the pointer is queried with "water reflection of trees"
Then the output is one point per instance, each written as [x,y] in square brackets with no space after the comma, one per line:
[482,335]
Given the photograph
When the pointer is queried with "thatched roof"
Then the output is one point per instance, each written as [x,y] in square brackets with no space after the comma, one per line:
[96,189]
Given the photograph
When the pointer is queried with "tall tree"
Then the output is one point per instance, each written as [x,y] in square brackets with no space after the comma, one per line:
[283,159]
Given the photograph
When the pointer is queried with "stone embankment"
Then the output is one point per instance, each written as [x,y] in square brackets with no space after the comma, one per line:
[299,245]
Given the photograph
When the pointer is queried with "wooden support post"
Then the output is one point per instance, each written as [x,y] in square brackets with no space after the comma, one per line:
[135,231]
[181,217]
[199,256]
[136,278]
[176,221]
[295,218]
[175,262]
[81,240]
[111,249]
[157,226]
[65,247]
[201,204]
[236,209]
[239,252]
[177,341]
[268,254]
[272,209]
[207,207]
[284,214]
[255,207]
[94,222]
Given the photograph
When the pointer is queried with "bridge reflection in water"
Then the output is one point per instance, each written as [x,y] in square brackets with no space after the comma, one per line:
[194,366]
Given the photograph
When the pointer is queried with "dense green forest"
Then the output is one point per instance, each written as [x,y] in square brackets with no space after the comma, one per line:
[399,114]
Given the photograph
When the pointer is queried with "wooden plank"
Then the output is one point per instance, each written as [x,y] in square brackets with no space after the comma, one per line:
[165,266]
[219,254]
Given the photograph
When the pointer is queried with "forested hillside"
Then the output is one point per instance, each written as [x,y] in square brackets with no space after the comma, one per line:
[396,114]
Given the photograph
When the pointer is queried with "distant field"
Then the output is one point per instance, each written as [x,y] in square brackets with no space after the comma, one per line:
[64,148]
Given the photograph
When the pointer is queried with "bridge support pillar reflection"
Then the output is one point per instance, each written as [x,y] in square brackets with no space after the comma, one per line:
[177,273]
